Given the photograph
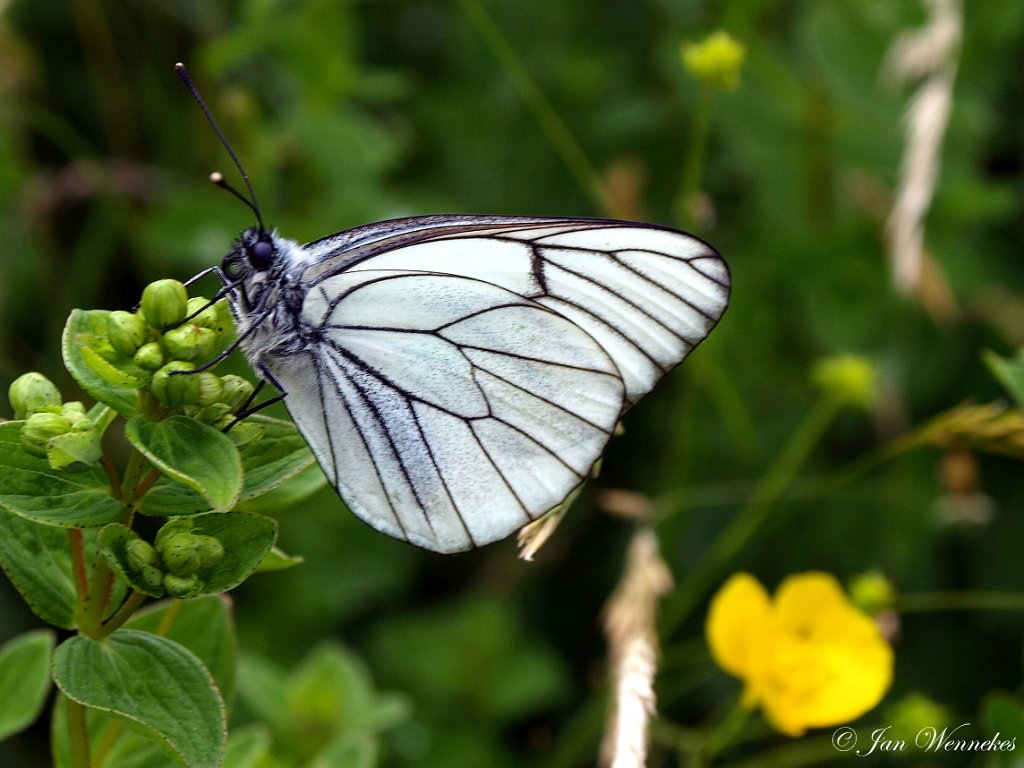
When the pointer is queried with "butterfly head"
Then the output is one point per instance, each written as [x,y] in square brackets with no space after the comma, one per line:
[254,252]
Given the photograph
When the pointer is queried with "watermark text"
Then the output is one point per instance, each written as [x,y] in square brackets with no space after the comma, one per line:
[929,739]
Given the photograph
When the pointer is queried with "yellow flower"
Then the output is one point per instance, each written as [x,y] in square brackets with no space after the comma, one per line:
[715,61]
[809,658]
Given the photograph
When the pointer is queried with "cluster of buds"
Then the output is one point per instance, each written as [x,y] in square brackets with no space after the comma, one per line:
[63,433]
[167,338]
[176,561]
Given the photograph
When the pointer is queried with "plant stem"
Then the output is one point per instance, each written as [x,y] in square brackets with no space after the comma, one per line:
[723,735]
[135,599]
[960,601]
[750,517]
[132,474]
[693,166]
[100,586]
[547,116]
[78,733]
[112,476]
[78,562]
[168,618]
[147,482]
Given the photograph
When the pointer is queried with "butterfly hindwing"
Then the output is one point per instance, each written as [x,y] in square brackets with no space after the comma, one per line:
[458,425]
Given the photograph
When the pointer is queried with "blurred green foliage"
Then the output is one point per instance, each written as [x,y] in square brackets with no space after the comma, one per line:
[348,112]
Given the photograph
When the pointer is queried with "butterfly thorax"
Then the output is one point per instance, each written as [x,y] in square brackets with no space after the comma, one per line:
[268,297]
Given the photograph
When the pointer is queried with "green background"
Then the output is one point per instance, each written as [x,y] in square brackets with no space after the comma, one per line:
[350,112]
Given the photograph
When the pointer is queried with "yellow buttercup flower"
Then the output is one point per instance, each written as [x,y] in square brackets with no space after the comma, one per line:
[809,658]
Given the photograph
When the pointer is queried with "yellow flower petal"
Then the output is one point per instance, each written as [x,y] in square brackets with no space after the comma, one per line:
[737,625]
[830,663]
[811,659]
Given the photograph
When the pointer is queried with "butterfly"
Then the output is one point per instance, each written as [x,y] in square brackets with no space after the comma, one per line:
[458,376]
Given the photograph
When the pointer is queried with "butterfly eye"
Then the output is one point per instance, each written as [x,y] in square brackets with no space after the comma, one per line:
[232,266]
[260,255]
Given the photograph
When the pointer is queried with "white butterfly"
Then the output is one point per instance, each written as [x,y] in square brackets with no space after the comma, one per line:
[458,376]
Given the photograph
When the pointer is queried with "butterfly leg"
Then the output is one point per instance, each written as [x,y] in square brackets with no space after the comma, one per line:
[248,409]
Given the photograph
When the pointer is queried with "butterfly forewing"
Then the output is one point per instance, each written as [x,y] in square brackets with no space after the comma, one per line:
[461,375]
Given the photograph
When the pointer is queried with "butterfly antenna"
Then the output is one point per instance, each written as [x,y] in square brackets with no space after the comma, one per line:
[251,202]
[217,178]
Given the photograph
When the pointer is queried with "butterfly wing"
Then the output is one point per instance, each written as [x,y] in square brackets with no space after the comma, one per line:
[466,372]
[647,294]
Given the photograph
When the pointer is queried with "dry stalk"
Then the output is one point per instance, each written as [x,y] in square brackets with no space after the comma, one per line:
[929,54]
[629,622]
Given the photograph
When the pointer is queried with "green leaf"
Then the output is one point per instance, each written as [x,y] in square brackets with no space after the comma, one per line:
[351,750]
[1003,713]
[132,748]
[169,498]
[262,686]
[328,697]
[277,458]
[248,747]
[205,626]
[74,447]
[193,453]
[333,684]
[87,356]
[289,493]
[37,560]
[31,488]
[151,681]
[1008,371]
[511,677]
[276,560]
[246,537]
[24,679]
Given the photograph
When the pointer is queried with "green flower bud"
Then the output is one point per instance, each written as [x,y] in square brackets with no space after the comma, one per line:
[190,342]
[215,414]
[872,592]
[126,332]
[39,428]
[236,391]
[139,554]
[151,576]
[75,413]
[210,388]
[914,713]
[715,61]
[177,525]
[182,587]
[215,316]
[210,550]
[164,303]
[175,391]
[847,379]
[149,357]
[30,391]
[180,554]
